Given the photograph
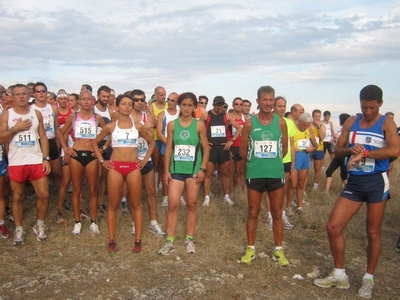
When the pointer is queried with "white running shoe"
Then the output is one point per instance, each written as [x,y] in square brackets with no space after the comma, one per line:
[133,230]
[183,202]
[156,229]
[39,230]
[94,228]
[77,228]
[269,224]
[206,201]
[19,237]
[286,223]
[228,200]
[189,246]
[164,201]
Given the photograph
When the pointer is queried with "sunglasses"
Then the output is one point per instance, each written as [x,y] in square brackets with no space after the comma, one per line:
[171,100]
[139,99]
[40,91]
[236,104]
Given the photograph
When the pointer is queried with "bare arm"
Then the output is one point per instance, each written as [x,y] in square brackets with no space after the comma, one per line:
[160,120]
[283,126]
[244,141]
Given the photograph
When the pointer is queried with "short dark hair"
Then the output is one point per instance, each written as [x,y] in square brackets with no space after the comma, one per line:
[246,101]
[343,118]
[103,88]
[315,111]
[237,98]
[187,95]
[371,93]
[327,113]
[137,92]
[203,97]
[88,87]
[39,84]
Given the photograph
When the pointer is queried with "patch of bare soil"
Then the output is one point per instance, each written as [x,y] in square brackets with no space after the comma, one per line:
[78,267]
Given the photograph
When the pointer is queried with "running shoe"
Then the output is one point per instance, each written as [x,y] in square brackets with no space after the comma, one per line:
[228,200]
[269,224]
[183,202]
[112,247]
[138,246]
[4,233]
[77,228]
[365,290]
[101,209]
[289,211]
[206,201]
[8,214]
[166,248]
[333,281]
[300,210]
[279,256]
[156,229]
[69,188]
[124,207]
[67,206]
[83,215]
[60,218]
[133,230]
[248,257]
[164,201]
[39,230]
[94,228]
[189,246]
[286,223]
[19,237]
[398,245]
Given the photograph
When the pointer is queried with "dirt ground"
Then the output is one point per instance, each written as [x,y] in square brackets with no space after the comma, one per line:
[78,267]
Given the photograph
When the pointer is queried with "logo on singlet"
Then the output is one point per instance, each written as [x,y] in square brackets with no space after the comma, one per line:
[184,135]
[368,140]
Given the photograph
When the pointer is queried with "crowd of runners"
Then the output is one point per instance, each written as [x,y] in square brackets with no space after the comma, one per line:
[118,144]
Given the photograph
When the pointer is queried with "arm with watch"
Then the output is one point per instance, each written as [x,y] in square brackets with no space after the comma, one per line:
[98,152]
[44,144]
[201,129]
[237,134]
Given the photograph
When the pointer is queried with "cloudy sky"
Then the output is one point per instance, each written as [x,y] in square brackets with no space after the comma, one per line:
[317,53]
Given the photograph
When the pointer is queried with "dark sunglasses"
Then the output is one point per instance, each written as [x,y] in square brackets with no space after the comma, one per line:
[139,99]
[171,100]
[202,102]
[40,91]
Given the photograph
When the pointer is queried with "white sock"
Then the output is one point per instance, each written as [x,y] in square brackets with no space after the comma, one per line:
[369,276]
[277,248]
[340,273]
[19,228]
[153,222]
[165,198]
[226,196]
[39,222]
[252,247]
[283,214]
[269,215]
[315,186]
[1,222]
[206,197]
[123,199]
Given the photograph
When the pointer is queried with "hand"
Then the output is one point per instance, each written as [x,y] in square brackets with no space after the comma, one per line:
[108,164]
[22,125]
[357,149]
[227,145]
[46,167]
[199,176]
[71,152]
[168,178]
[354,161]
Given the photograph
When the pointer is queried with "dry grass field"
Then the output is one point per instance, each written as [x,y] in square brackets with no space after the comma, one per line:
[78,267]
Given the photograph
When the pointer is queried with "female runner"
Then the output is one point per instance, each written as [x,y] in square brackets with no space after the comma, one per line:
[186,157]
[83,125]
[124,165]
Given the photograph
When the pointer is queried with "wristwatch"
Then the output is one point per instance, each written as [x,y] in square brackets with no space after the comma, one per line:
[203,170]
[102,161]
[46,158]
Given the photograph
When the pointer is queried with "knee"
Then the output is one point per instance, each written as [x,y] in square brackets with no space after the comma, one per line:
[253,213]
[332,229]
[374,233]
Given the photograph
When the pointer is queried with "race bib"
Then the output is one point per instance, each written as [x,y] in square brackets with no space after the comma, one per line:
[366,165]
[126,137]
[303,144]
[218,131]
[85,130]
[143,146]
[48,124]
[265,149]
[184,153]
[24,139]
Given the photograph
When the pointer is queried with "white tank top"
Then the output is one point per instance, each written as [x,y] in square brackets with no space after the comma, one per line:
[168,118]
[84,129]
[328,132]
[24,147]
[48,120]
[143,146]
[124,137]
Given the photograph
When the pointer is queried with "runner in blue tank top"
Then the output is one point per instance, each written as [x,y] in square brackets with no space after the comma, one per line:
[370,139]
